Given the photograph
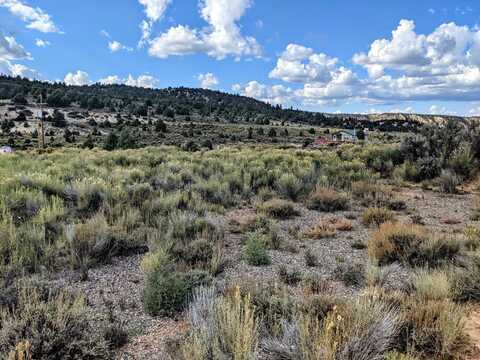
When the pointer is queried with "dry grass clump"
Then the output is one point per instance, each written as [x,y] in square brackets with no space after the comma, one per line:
[466,281]
[327,200]
[321,230]
[363,329]
[371,194]
[472,235]
[377,216]
[390,277]
[432,285]
[410,244]
[434,329]
[227,327]
[278,208]
[341,224]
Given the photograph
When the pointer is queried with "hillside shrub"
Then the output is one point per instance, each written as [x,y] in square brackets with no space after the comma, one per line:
[167,291]
[410,244]
[278,208]
[327,200]
[49,325]
[255,250]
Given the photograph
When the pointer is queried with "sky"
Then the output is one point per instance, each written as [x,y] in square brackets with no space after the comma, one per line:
[349,56]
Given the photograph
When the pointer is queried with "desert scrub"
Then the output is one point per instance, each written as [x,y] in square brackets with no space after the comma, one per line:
[321,230]
[351,274]
[49,325]
[433,329]
[255,252]
[410,244]
[364,329]
[466,281]
[472,238]
[327,200]
[166,290]
[430,285]
[290,186]
[377,216]
[289,277]
[278,208]
[227,326]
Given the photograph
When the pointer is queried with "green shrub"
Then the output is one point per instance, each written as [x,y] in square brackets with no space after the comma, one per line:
[448,182]
[49,325]
[290,186]
[462,161]
[255,250]
[466,282]
[311,260]
[167,291]
[351,274]
[292,277]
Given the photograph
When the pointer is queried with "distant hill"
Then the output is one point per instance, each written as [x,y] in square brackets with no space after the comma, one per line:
[196,104]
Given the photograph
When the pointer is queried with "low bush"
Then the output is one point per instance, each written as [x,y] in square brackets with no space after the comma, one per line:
[255,250]
[472,235]
[390,277]
[363,329]
[432,285]
[289,277]
[167,291]
[466,282]
[278,208]
[311,260]
[351,274]
[322,229]
[49,325]
[377,216]
[327,200]
[410,244]
[448,182]
[433,329]
[341,224]
[290,186]
[227,327]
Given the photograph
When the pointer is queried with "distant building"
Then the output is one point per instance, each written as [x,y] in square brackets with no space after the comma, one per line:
[6,150]
[321,142]
[345,136]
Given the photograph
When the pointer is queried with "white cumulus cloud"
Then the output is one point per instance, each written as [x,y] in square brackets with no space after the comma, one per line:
[36,18]
[208,80]
[42,43]
[143,81]
[220,39]
[116,46]
[154,10]
[78,78]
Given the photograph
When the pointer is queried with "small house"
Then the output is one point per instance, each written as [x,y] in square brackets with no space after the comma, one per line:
[321,142]
[6,150]
[345,136]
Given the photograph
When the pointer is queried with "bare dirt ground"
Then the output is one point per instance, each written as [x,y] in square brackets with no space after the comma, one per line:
[119,285]
[473,329]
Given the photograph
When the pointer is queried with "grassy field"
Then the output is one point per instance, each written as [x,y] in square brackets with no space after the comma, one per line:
[408,296]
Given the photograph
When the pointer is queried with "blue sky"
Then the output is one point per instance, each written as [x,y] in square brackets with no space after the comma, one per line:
[334,56]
